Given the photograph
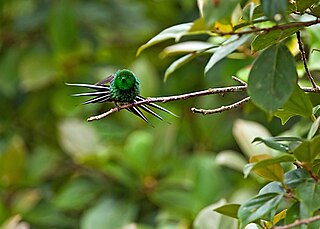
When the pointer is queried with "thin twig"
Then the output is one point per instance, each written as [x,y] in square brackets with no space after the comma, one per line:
[304,59]
[220,109]
[299,222]
[239,80]
[276,27]
[210,91]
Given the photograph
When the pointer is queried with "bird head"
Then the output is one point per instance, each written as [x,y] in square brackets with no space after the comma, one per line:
[125,80]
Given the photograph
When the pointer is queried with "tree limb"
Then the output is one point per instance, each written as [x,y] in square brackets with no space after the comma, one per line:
[299,222]
[210,91]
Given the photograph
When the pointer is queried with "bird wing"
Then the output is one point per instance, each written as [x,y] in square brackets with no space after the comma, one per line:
[106,81]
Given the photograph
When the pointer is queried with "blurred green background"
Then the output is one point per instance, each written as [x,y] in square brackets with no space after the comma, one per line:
[58,171]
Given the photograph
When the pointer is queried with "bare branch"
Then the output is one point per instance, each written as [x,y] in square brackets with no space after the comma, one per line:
[299,222]
[276,27]
[210,91]
[220,109]
[304,59]
[239,80]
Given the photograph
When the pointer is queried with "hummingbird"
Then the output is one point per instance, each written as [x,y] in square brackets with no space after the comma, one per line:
[121,87]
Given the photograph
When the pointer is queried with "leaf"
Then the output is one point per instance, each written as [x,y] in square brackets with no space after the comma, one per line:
[225,49]
[272,78]
[295,177]
[275,9]
[272,37]
[108,212]
[272,187]
[273,144]
[176,32]
[207,218]
[76,194]
[178,63]
[63,29]
[302,5]
[78,139]
[309,194]
[257,207]
[266,166]
[231,159]
[308,150]
[228,210]
[216,10]
[244,133]
[299,103]
[12,162]
[316,11]
[278,217]
[185,47]
[314,128]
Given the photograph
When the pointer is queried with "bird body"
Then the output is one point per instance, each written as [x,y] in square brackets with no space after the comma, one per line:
[122,87]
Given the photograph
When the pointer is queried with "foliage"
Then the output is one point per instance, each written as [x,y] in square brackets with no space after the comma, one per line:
[293,169]
[57,171]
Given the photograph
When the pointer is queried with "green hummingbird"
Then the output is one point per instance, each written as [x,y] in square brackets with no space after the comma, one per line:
[121,87]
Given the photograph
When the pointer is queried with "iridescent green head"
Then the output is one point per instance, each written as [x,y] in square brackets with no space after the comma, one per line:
[125,86]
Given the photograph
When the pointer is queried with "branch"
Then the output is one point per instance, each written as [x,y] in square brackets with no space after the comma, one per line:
[299,222]
[304,59]
[276,27]
[210,91]
[220,109]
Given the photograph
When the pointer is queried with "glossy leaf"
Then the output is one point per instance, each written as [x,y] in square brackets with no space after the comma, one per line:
[175,32]
[257,207]
[266,166]
[299,103]
[272,37]
[272,78]
[178,63]
[214,11]
[185,47]
[225,49]
[302,5]
[314,128]
[295,177]
[115,214]
[228,210]
[273,144]
[272,187]
[309,194]
[275,9]
[308,150]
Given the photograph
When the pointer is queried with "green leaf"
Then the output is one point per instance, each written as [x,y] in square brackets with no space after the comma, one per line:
[316,11]
[175,32]
[308,150]
[138,151]
[178,63]
[272,78]
[314,128]
[225,49]
[208,218]
[309,194]
[272,37]
[76,194]
[12,162]
[186,47]
[275,9]
[214,11]
[295,177]
[228,210]
[63,29]
[299,103]
[267,167]
[273,144]
[231,159]
[302,5]
[108,212]
[257,207]
[272,187]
